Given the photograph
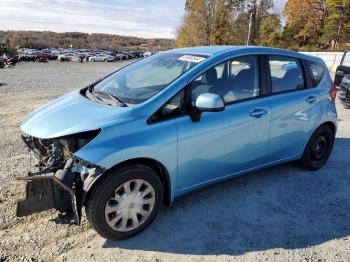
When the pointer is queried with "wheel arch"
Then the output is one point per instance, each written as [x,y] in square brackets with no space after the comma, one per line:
[158,167]
[328,124]
[331,125]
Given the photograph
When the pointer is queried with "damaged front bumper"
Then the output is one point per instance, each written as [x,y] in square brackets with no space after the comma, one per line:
[63,189]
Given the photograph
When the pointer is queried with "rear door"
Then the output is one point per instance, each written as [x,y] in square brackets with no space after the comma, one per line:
[294,106]
[343,69]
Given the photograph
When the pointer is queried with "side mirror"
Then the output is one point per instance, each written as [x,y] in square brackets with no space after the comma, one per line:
[209,102]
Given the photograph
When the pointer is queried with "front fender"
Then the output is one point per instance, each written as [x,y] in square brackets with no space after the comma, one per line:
[133,140]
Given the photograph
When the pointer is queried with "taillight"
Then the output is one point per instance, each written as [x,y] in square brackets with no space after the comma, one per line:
[333,92]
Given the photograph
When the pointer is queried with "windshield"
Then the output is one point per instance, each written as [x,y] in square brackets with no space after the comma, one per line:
[141,80]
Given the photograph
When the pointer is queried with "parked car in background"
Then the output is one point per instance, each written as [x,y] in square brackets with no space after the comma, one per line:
[147,54]
[8,60]
[71,54]
[174,122]
[120,56]
[344,91]
[341,79]
[77,58]
[131,55]
[65,57]
[101,58]
[124,56]
[41,57]
[136,54]
[343,69]
[26,57]
[44,56]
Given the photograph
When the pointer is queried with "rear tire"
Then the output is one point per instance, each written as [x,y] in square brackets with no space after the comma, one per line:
[318,149]
[127,205]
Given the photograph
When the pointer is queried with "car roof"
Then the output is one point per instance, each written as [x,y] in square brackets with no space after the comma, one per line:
[205,50]
[213,50]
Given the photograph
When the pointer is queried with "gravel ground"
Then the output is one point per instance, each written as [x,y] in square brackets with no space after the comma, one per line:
[280,214]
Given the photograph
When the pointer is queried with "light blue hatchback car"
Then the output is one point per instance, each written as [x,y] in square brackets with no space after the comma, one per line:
[171,123]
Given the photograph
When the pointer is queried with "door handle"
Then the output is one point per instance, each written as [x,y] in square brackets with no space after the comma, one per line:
[311,99]
[258,112]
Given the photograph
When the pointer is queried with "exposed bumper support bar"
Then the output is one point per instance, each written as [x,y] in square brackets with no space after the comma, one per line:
[49,190]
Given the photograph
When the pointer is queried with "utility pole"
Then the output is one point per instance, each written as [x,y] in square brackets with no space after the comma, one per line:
[250,25]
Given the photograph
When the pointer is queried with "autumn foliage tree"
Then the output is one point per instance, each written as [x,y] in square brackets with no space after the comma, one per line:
[307,17]
[270,31]
[222,25]
[306,24]
[337,24]
[35,39]
[198,25]
[208,22]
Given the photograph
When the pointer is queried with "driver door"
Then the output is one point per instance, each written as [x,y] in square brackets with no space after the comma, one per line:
[225,143]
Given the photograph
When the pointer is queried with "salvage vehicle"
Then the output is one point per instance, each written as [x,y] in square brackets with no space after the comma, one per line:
[65,57]
[147,54]
[137,54]
[102,58]
[342,70]
[6,58]
[344,92]
[44,56]
[172,123]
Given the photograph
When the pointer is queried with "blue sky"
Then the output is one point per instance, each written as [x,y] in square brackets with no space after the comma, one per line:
[143,18]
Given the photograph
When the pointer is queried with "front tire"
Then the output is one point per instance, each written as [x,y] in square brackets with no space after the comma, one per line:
[318,149]
[124,202]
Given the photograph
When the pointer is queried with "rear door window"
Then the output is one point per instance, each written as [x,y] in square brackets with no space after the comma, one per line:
[316,72]
[286,74]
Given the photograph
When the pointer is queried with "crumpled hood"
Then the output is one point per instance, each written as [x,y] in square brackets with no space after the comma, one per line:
[71,113]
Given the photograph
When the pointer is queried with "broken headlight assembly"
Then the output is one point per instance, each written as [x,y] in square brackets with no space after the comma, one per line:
[56,177]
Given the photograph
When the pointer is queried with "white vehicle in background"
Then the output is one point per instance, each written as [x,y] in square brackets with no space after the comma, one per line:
[30,51]
[101,58]
[147,53]
[65,57]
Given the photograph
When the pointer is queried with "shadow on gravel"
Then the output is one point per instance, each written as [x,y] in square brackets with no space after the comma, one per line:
[66,218]
[279,207]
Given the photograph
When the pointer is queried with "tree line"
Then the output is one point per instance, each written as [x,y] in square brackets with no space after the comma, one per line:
[39,40]
[302,25]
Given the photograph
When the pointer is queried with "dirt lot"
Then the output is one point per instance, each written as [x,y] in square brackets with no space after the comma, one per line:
[280,214]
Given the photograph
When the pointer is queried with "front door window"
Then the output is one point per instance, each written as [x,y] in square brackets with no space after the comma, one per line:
[233,80]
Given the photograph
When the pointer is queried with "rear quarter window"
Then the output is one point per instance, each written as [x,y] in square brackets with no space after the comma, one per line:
[316,70]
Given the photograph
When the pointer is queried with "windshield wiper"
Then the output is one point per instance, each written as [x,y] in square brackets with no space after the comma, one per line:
[116,101]
[121,102]
[92,96]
